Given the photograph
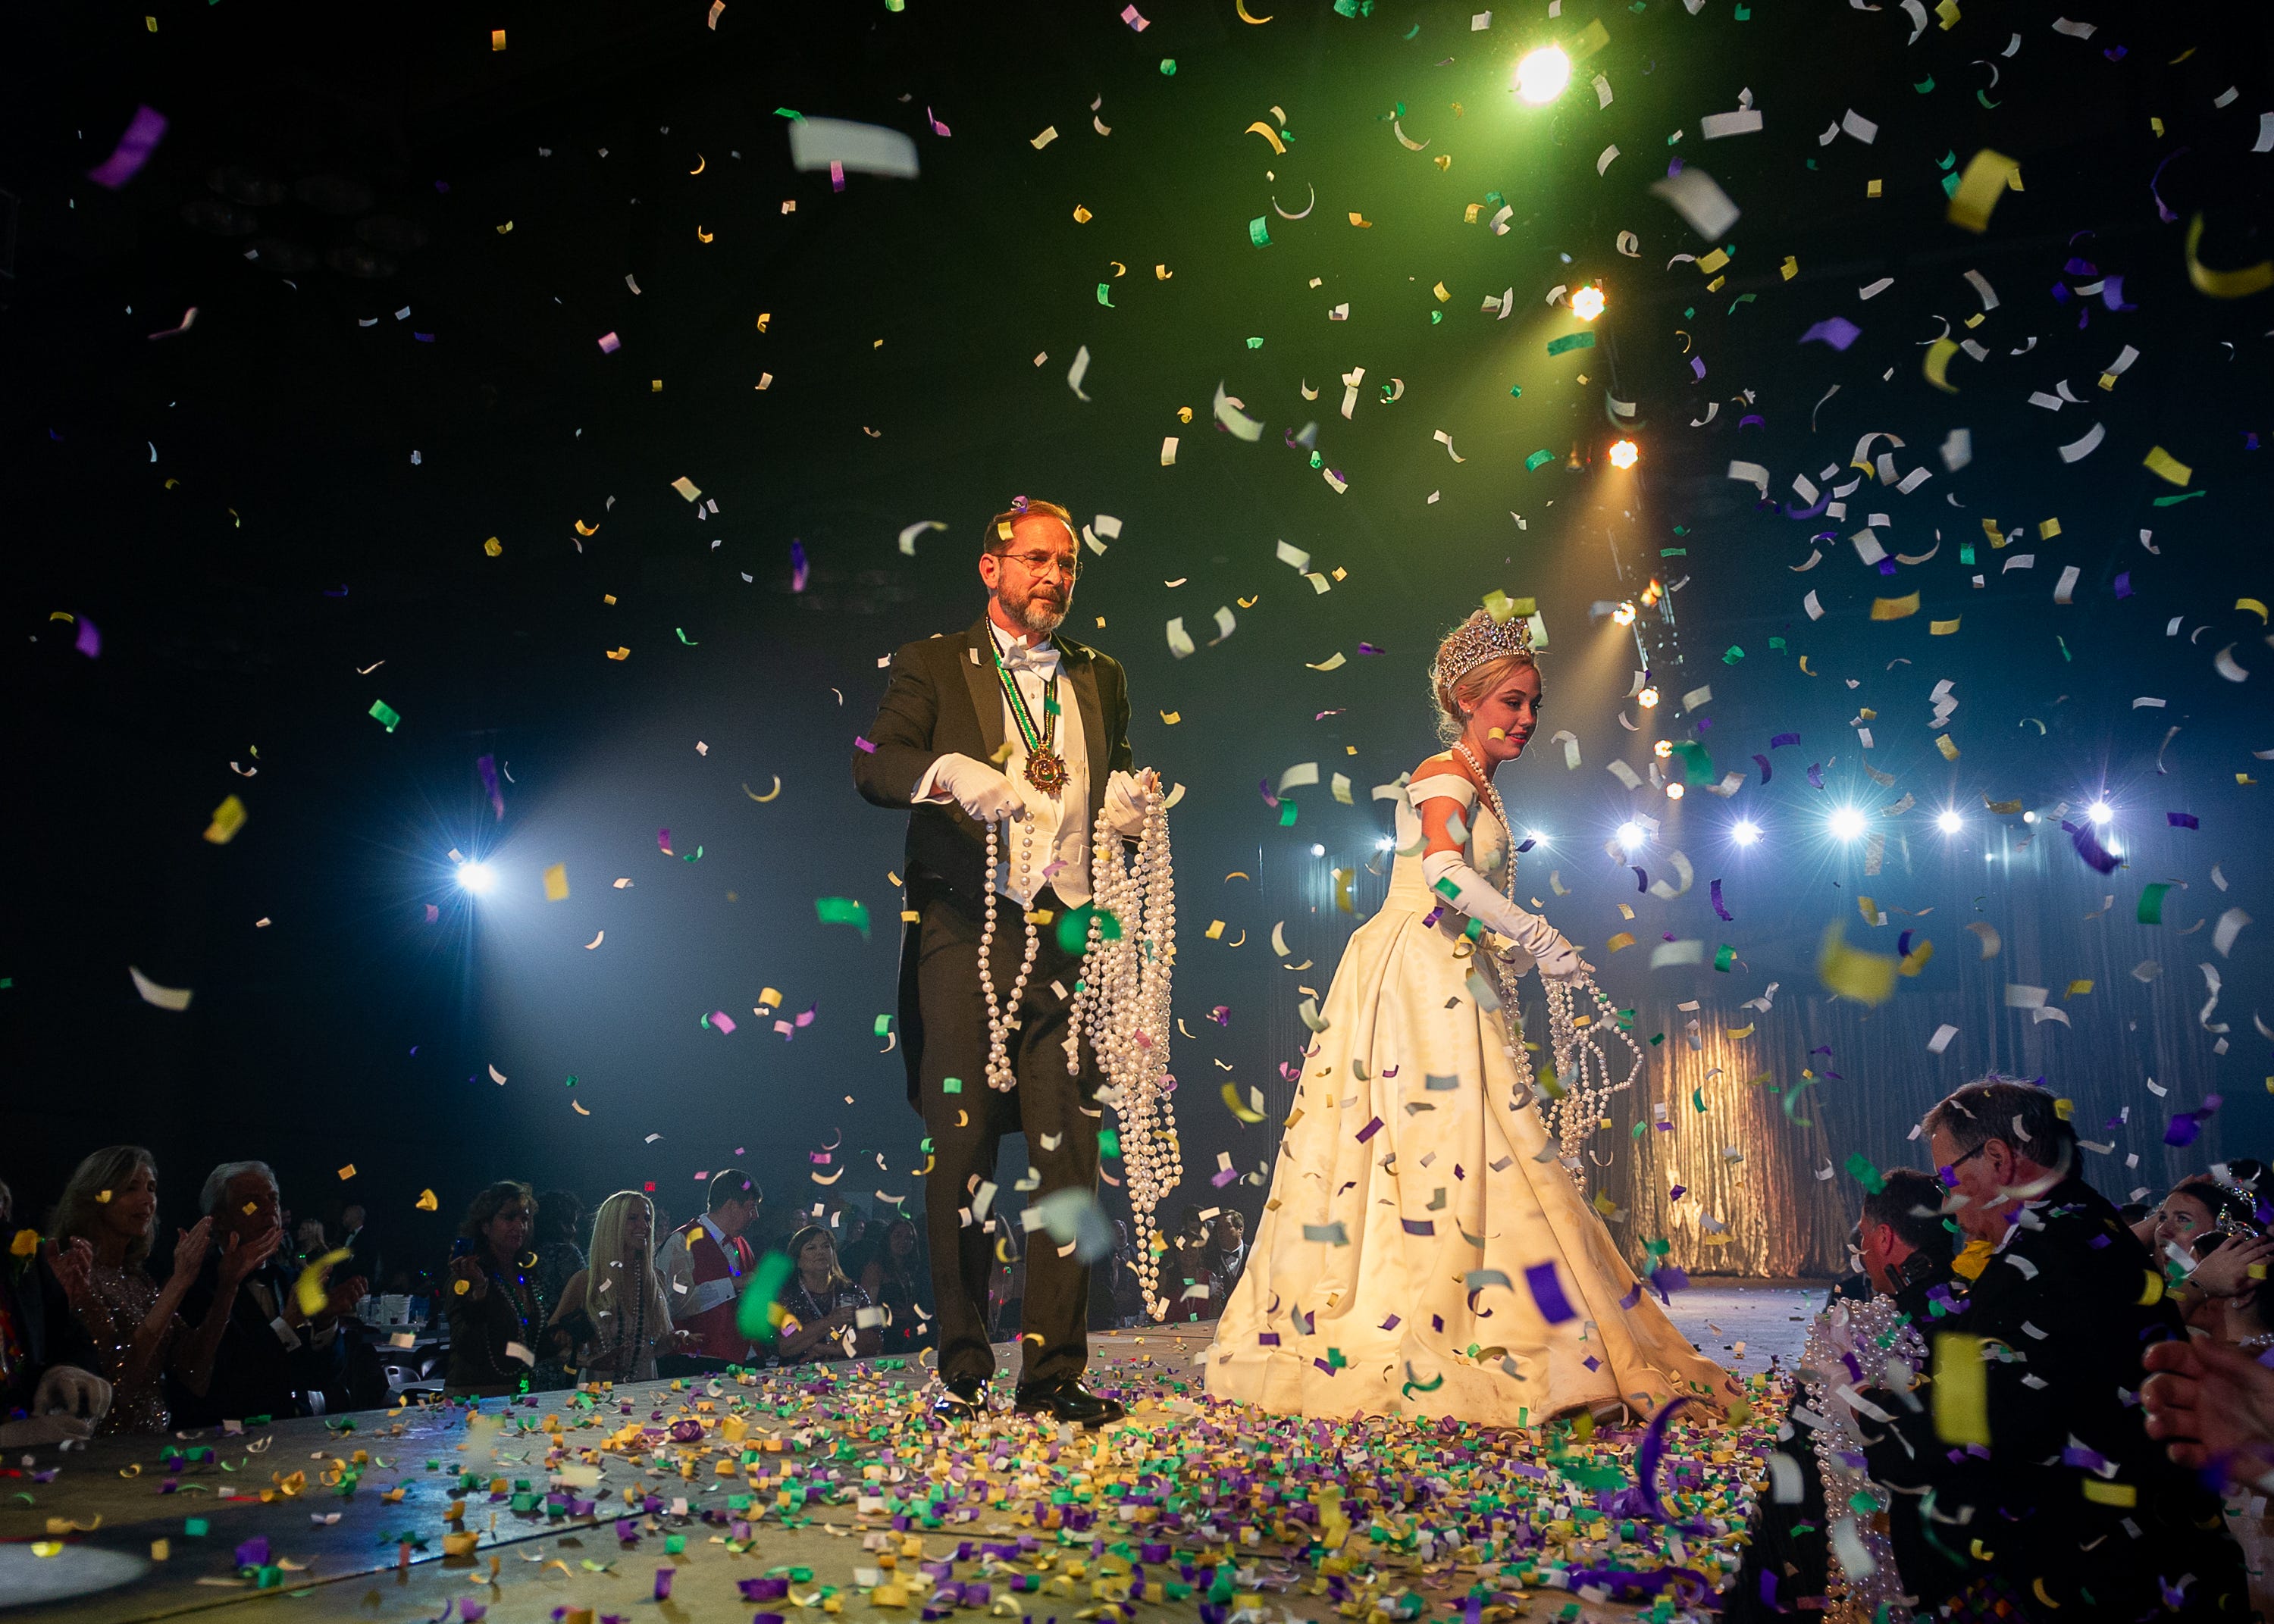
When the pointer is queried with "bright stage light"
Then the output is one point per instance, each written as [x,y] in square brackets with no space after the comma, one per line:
[1847,824]
[1317,850]
[2100,812]
[1746,832]
[1385,845]
[1540,76]
[1623,615]
[1674,792]
[1663,748]
[477,878]
[1625,453]
[1587,304]
[1631,835]
[1647,698]
[1949,821]
[1535,837]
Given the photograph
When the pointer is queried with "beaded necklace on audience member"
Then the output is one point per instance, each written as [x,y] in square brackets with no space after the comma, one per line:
[520,1297]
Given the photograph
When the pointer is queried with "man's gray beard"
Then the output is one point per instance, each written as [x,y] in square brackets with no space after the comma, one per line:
[1036,617]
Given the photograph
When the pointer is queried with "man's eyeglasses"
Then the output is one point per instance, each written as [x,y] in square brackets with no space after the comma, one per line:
[1047,563]
[1969,1156]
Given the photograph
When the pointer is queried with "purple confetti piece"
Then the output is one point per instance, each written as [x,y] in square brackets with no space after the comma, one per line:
[89,641]
[1720,908]
[2089,848]
[142,135]
[1765,766]
[1836,331]
[1903,945]
[2124,585]
[2181,1129]
[1263,788]
[254,1552]
[1642,879]
[862,744]
[487,765]
[798,567]
[1698,365]
[1548,1293]
[2182,820]
[1372,1128]
[1632,1297]
[1752,417]
[663,841]
[1529,842]
[1816,775]
[1781,739]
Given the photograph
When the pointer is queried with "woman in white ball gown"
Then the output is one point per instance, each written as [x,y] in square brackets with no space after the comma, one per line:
[1426,1249]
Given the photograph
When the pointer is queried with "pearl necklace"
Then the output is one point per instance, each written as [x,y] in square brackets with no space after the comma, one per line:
[1583,1069]
[1121,1003]
[1877,1338]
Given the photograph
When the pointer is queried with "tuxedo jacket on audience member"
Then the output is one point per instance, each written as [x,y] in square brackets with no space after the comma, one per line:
[717,1265]
[263,1366]
[946,699]
[2069,1301]
[38,1331]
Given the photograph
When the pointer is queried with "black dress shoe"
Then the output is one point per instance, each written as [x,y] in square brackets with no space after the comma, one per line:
[1068,1401]
[959,1400]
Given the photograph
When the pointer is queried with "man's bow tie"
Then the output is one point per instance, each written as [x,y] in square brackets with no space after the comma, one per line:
[1041,659]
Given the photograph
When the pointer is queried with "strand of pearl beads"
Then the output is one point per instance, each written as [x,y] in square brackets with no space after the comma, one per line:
[1003,1019]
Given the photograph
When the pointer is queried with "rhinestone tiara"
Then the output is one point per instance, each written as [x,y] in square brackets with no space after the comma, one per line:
[1478,639]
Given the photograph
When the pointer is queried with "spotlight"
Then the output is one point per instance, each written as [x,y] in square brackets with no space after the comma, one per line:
[1631,835]
[1540,76]
[1663,749]
[1317,850]
[1746,833]
[1536,836]
[2100,812]
[1385,845]
[1847,824]
[1949,821]
[1624,453]
[477,878]
[1623,615]
[1587,304]
[1647,698]
[1674,792]
[2029,817]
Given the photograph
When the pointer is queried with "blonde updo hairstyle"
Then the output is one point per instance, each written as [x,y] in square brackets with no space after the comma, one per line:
[1456,697]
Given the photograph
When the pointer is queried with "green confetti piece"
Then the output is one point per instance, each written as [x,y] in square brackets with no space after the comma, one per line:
[1696,764]
[843,911]
[1436,316]
[1697,1100]
[387,715]
[1258,233]
[1287,810]
[790,113]
[1571,341]
[1515,391]
[684,638]
[1734,654]
[1103,289]
[1256,344]
[1109,1142]
[571,1083]
[2151,903]
[1966,552]
[1860,1169]
[1742,298]
[1538,460]
[1950,185]
[1674,552]
[1724,955]
[2063,646]
[947,1085]
[1744,13]
[196,1528]
[753,1316]
[884,1024]
[2170,501]
[1923,88]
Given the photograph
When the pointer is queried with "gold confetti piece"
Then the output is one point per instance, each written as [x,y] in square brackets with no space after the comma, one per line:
[1894,608]
[497,39]
[620,654]
[1942,628]
[1791,267]
[2165,466]
[556,882]
[1081,215]
[1361,222]
[1868,978]
[2048,530]
[347,1172]
[1988,176]
[228,818]
[2224,284]
[1171,717]
[1620,943]
[428,1201]
[1962,1390]
[769,795]
[1949,750]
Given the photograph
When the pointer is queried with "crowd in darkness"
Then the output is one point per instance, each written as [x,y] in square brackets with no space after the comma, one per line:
[254,1312]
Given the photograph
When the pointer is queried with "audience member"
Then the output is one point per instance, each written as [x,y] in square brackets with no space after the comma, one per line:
[2204,1237]
[496,1312]
[1904,1249]
[274,1358]
[710,1258]
[111,1202]
[609,1330]
[308,1242]
[48,1391]
[1191,1286]
[824,1306]
[896,1279]
[2032,1448]
[554,1237]
[1226,1255]
[361,1246]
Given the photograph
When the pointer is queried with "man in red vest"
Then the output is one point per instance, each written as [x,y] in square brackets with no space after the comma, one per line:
[706,1263]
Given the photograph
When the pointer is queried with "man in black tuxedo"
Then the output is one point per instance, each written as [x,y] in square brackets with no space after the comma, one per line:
[1004,721]
[274,1358]
[2067,1508]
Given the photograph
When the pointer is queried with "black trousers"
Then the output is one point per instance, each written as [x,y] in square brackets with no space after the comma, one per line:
[967,1120]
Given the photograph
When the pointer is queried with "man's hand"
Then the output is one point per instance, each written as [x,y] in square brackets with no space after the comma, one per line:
[978,788]
[1127,801]
[69,1391]
[240,1257]
[2210,1402]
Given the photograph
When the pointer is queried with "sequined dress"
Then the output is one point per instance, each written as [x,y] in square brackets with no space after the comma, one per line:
[123,1299]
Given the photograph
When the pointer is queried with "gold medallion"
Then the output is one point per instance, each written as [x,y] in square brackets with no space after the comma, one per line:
[1046,770]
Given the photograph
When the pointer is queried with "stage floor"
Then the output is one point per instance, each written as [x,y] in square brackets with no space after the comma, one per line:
[83,1530]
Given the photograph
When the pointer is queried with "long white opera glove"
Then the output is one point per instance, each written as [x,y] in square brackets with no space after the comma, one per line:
[1557,959]
[1129,798]
[978,788]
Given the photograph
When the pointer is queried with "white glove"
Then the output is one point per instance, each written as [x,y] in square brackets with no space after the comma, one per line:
[1129,798]
[978,788]
[1549,948]
[34,1431]
[73,1392]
